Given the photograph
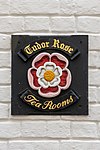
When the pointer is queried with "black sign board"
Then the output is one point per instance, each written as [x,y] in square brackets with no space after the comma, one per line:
[49,75]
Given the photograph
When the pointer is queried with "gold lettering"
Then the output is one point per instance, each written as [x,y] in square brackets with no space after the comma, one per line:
[70,50]
[68,101]
[56,43]
[47,44]
[58,105]
[28,50]
[38,105]
[33,103]
[38,45]
[71,99]
[29,98]
[62,46]
[32,100]
[54,106]
[47,104]
[34,47]
[43,45]
[66,48]
[64,103]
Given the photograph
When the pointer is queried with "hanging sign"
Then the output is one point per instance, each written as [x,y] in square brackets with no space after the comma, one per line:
[49,75]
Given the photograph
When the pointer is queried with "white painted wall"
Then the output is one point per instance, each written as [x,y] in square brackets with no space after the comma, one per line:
[50,17]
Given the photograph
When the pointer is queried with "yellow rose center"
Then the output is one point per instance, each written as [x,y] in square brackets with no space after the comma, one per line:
[49,75]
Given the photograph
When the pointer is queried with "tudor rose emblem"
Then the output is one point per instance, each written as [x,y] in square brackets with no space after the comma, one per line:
[49,74]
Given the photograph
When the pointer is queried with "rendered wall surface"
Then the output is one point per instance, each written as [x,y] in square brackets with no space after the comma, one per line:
[48,17]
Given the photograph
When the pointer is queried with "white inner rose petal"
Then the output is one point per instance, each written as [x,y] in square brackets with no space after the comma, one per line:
[58,71]
[49,66]
[55,82]
[40,71]
[43,82]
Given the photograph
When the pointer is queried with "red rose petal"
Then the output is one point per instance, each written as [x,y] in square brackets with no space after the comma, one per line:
[49,89]
[58,62]
[35,78]
[63,78]
[41,61]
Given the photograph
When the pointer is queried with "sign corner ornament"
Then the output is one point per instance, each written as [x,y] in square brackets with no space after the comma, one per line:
[49,75]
